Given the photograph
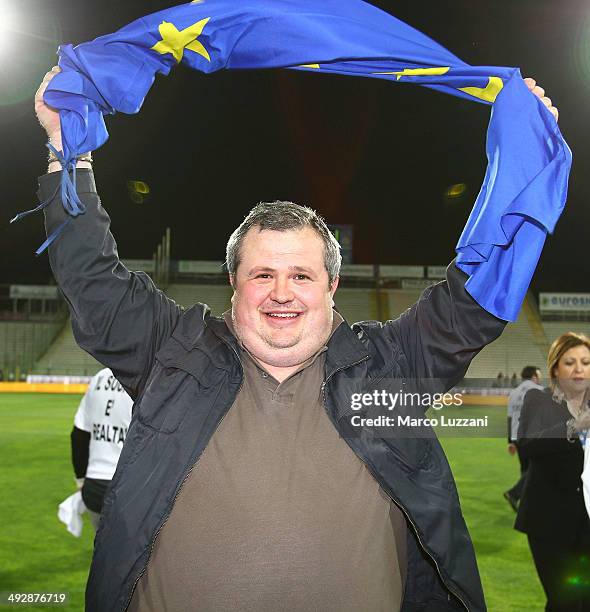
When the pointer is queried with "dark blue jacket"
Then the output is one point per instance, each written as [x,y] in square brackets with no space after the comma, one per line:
[184,372]
[553,481]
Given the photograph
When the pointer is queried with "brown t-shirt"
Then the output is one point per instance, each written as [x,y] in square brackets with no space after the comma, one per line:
[278,514]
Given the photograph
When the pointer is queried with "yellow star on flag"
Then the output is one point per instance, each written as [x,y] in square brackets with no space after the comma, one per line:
[175,41]
[418,71]
[489,93]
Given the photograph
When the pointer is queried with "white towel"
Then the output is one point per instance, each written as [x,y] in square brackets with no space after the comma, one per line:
[70,513]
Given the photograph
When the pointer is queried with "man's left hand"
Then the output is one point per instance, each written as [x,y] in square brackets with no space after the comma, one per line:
[540,93]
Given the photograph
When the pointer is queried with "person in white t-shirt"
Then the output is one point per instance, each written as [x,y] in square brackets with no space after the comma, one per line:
[100,427]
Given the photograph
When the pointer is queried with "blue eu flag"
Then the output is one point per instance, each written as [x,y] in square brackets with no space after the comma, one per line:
[525,186]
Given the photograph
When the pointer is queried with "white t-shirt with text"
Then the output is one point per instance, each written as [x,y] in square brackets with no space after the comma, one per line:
[104,412]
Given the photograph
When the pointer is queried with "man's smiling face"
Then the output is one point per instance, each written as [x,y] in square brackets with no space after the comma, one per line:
[282,302]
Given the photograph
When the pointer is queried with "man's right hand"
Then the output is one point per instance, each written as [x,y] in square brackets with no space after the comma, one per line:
[512,448]
[48,117]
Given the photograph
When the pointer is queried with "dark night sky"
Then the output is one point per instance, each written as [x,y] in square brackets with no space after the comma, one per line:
[364,152]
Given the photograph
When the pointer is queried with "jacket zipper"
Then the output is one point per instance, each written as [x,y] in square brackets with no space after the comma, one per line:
[153,542]
[395,501]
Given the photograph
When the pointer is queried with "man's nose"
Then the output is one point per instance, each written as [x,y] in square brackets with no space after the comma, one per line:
[281,291]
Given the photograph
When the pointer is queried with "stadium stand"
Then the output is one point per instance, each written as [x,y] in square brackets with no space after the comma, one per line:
[356,304]
[506,354]
[22,343]
[523,342]
[553,329]
[65,357]
[400,300]
[513,350]
[217,297]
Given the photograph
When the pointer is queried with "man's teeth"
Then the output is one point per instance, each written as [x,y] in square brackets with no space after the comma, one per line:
[283,315]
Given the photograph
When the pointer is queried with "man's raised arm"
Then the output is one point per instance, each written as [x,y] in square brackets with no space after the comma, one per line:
[118,316]
[446,328]
[443,332]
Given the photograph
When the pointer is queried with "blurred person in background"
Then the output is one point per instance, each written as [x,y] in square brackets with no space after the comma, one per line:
[100,428]
[552,433]
[499,382]
[531,377]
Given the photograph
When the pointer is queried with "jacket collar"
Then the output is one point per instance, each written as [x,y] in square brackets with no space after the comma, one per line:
[219,327]
[344,347]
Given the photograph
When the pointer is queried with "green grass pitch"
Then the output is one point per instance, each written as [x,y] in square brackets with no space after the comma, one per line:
[38,554]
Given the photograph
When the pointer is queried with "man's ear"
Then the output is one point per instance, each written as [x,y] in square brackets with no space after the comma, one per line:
[333,288]
[232,280]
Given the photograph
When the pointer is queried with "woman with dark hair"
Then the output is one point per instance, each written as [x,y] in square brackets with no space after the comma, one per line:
[553,426]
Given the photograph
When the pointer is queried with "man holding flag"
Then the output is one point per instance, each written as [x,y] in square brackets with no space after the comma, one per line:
[242,484]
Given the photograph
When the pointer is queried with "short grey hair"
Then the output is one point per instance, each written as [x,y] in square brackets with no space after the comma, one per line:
[283,216]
